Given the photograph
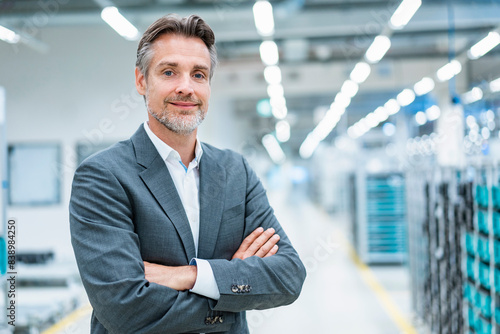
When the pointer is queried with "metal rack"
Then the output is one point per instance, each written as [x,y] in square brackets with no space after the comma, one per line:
[379,212]
[455,249]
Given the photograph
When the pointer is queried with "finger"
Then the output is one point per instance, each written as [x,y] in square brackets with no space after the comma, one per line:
[273,251]
[249,240]
[260,241]
[240,253]
[268,246]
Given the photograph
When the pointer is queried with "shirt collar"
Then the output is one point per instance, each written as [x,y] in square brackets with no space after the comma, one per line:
[166,151]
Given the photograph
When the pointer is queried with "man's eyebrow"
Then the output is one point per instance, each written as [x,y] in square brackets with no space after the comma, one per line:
[201,67]
[166,63]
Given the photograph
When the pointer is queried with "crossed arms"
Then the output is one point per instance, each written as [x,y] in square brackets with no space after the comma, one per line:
[260,242]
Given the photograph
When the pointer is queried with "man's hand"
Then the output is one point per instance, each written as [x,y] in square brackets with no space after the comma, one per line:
[260,243]
[178,278]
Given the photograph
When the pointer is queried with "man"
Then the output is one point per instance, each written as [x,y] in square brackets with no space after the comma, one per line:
[172,235]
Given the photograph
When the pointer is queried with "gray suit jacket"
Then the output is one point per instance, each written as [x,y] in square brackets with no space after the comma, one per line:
[124,209]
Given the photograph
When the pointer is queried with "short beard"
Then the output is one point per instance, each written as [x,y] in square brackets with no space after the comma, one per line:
[177,124]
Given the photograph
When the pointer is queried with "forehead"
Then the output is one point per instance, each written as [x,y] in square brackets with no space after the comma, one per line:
[181,49]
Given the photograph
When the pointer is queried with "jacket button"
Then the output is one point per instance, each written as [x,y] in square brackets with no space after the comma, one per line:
[234,288]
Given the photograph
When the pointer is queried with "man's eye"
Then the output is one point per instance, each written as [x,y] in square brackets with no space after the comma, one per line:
[199,76]
[168,73]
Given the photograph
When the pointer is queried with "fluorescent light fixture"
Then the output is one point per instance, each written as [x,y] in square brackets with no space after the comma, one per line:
[495,85]
[406,97]
[120,24]
[360,72]
[263,17]
[449,70]
[420,118]
[272,74]
[342,100]
[280,112]
[474,95]
[275,90]
[9,36]
[392,106]
[404,13]
[273,148]
[372,120]
[484,46]
[269,53]
[377,49]
[424,86]
[308,147]
[283,131]
[432,113]
[349,88]
[381,113]
[278,105]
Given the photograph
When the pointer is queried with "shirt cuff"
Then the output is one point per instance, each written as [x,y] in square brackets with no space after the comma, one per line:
[205,284]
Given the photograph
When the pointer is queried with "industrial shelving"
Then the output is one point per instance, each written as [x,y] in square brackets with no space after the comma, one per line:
[379,226]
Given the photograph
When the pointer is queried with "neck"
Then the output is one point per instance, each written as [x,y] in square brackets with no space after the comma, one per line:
[183,144]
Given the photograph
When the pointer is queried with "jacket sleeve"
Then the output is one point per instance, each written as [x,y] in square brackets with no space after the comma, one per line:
[259,283]
[108,255]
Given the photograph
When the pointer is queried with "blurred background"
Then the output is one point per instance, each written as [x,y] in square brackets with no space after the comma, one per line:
[373,125]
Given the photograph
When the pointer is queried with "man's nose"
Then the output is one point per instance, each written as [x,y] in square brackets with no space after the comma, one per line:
[184,85]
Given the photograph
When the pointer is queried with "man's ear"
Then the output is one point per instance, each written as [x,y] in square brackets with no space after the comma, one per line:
[140,82]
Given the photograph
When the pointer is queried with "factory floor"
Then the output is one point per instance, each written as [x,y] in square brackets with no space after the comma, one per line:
[341,295]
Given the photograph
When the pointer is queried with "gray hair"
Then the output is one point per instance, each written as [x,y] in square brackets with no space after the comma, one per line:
[191,26]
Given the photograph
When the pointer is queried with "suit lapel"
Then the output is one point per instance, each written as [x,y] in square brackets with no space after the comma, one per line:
[212,184]
[160,184]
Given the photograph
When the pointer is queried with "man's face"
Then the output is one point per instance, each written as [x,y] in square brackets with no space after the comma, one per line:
[177,88]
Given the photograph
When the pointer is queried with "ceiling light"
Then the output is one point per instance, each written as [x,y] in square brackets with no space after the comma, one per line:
[484,46]
[406,97]
[275,90]
[349,88]
[269,53]
[9,36]
[263,17]
[283,131]
[392,106]
[420,118]
[432,113]
[120,24]
[372,120]
[381,113]
[272,74]
[449,70]
[378,48]
[424,86]
[360,72]
[273,148]
[474,95]
[342,100]
[404,13]
[495,85]
[308,146]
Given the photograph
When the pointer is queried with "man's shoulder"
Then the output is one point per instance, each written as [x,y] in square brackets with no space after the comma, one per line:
[223,156]
[116,154]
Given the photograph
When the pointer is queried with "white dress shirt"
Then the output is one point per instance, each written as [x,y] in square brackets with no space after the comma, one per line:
[187,183]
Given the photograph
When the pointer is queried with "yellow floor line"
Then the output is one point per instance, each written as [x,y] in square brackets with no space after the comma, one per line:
[382,295]
[71,318]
